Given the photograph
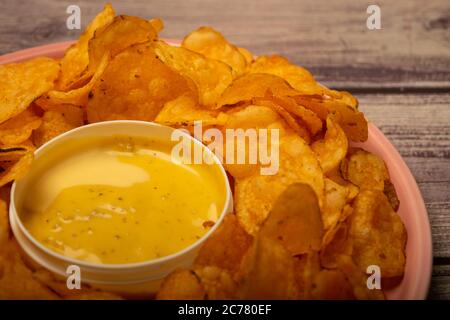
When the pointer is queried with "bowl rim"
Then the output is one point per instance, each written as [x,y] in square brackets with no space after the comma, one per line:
[14,214]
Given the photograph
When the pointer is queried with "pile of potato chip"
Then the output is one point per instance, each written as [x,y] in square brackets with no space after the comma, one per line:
[308,232]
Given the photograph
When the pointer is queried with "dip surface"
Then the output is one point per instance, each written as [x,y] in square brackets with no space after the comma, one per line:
[121,200]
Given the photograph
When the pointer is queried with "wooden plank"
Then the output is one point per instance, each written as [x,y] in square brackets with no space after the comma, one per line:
[418,125]
[329,37]
[440,283]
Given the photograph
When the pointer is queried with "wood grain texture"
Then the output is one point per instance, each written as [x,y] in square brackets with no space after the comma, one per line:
[401,74]
[329,37]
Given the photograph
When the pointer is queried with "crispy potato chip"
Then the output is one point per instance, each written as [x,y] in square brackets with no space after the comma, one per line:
[16,151]
[358,280]
[121,33]
[57,121]
[17,170]
[391,194]
[135,86]
[211,77]
[77,97]
[181,285]
[298,77]
[336,197]
[226,247]
[290,120]
[331,285]
[218,283]
[19,128]
[157,24]
[183,111]
[378,234]
[212,44]
[268,272]
[331,150]
[4,220]
[16,280]
[256,195]
[365,170]
[255,85]
[247,55]
[295,220]
[21,83]
[349,118]
[76,57]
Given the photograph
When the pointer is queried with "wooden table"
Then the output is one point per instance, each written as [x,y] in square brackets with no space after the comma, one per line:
[401,73]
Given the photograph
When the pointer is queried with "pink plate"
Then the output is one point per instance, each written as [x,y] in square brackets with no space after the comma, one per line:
[412,208]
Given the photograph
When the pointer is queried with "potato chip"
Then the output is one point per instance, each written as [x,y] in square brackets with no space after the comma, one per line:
[4,220]
[135,86]
[268,272]
[157,24]
[336,197]
[365,170]
[256,195]
[21,83]
[211,77]
[295,220]
[298,77]
[226,247]
[183,111]
[255,85]
[247,55]
[77,97]
[16,170]
[57,121]
[212,44]
[331,150]
[15,152]
[331,285]
[121,33]
[391,194]
[336,243]
[217,283]
[378,234]
[19,128]
[349,118]
[181,285]
[358,280]
[76,58]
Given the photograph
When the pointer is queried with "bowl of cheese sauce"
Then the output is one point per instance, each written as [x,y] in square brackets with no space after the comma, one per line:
[112,199]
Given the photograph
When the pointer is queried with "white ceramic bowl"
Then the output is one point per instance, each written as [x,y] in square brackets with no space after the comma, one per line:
[120,275]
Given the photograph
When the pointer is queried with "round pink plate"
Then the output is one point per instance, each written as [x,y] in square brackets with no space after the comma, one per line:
[412,210]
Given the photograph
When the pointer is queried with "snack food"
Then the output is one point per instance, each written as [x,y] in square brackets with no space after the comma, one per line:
[331,193]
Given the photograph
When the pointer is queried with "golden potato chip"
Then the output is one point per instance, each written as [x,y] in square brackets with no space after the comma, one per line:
[136,85]
[212,77]
[255,85]
[378,234]
[77,97]
[365,170]
[157,24]
[298,77]
[256,195]
[19,128]
[57,121]
[4,220]
[226,247]
[121,33]
[331,150]
[21,83]
[336,197]
[391,194]
[247,55]
[181,285]
[183,111]
[295,220]
[218,283]
[17,170]
[250,117]
[331,285]
[212,44]
[268,272]
[76,58]
[15,152]
[350,119]
[358,280]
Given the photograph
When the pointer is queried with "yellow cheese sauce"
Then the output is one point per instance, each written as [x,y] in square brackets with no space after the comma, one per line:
[121,200]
